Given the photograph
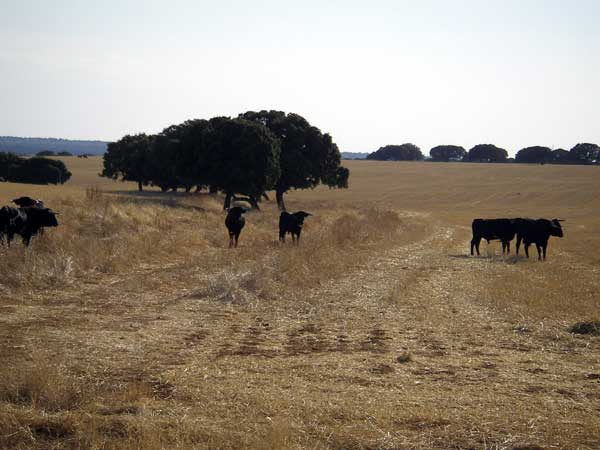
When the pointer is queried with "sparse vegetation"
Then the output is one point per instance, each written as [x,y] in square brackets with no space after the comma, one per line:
[132,326]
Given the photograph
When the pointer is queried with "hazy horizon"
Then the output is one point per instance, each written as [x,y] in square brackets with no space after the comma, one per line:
[514,75]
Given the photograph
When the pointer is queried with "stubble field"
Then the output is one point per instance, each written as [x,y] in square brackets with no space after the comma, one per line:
[132,326]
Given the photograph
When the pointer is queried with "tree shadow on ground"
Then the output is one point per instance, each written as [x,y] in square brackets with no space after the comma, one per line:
[168,199]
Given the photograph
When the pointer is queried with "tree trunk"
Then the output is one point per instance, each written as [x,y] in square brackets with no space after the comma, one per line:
[227,203]
[279,196]
[140,188]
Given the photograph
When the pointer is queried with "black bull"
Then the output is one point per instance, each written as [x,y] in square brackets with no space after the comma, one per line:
[528,231]
[26,222]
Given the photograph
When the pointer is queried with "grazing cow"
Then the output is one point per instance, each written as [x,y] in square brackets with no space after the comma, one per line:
[26,222]
[537,232]
[490,229]
[291,223]
[235,222]
[23,202]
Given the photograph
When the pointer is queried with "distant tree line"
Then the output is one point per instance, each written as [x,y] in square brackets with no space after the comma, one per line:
[584,153]
[51,153]
[32,146]
[246,156]
[34,170]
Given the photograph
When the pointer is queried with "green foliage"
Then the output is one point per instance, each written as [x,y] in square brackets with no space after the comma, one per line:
[585,153]
[560,156]
[256,152]
[447,153]
[308,156]
[404,152]
[33,170]
[243,157]
[129,159]
[534,155]
[487,153]
[180,154]
[8,163]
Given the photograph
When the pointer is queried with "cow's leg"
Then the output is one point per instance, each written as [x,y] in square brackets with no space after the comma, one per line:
[298,238]
[237,236]
[282,236]
[475,244]
[544,246]
[539,250]
[230,240]
[518,245]
[508,247]
[526,245]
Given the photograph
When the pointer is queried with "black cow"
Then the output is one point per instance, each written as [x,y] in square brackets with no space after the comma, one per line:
[235,222]
[7,215]
[532,231]
[291,223]
[26,222]
[491,229]
[23,202]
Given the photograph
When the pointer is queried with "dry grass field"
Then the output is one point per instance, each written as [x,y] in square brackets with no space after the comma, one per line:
[132,326]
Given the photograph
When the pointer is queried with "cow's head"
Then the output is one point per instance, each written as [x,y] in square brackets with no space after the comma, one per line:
[25,201]
[301,215]
[556,229]
[236,211]
[42,217]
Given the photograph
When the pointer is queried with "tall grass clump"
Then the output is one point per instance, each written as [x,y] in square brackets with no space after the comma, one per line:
[98,233]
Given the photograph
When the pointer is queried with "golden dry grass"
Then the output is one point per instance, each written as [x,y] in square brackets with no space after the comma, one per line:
[132,326]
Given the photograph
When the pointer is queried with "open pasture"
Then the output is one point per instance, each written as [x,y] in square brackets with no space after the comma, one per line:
[132,326]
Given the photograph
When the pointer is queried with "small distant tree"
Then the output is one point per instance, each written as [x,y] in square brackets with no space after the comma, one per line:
[242,158]
[486,153]
[538,155]
[308,157]
[447,153]
[38,170]
[129,159]
[585,153]
[45,153]
[404,152]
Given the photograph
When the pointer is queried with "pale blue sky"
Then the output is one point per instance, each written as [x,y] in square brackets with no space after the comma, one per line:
[371,73]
